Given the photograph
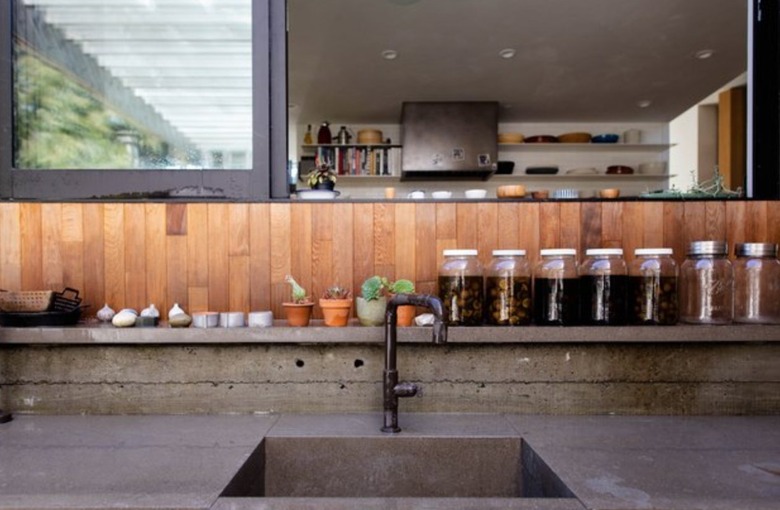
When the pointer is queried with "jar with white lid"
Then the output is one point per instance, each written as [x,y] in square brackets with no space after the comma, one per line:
[461,288]
[707,284]
[556,288]
[603,287]
[756,283]
[652,287]
[508,289]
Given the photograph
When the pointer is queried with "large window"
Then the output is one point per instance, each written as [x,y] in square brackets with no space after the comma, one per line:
[146,98]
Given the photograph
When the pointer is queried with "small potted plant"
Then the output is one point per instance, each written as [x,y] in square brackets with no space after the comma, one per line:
[372,302]
[298,309]
[322,177]
[336,305]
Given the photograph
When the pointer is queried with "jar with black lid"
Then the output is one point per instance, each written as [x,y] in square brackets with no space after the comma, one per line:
[756,283]
[652,287]
[508,289]
[461,288]
[707,284]
[603,287]
[556,288]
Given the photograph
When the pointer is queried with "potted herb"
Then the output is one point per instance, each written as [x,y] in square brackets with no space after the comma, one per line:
[322,177]
[372,302]
[298,310]
[336,305]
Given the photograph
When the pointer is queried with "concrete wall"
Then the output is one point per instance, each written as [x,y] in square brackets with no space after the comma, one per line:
[622,378]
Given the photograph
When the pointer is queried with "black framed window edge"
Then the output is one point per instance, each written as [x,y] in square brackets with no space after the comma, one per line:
[267,178]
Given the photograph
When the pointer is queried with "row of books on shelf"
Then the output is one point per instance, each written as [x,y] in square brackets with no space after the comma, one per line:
[361,160]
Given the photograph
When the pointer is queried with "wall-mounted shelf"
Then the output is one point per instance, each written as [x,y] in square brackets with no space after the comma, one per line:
[378,180]
[352,145]
[578,147]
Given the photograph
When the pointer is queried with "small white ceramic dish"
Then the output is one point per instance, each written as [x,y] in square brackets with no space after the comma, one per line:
[232,320]
[475,193]
[416,194]
[263,319]
[441,195]
[584,170]
[205,319]
[317,194]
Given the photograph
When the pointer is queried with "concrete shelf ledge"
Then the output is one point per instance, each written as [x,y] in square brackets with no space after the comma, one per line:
[102,334]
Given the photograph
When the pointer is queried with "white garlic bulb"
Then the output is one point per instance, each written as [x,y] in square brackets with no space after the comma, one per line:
[106,313]
[175,310]
[151,311]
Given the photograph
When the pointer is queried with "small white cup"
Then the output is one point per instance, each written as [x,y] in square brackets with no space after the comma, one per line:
[416,194]
[232,320]
[205,319]
[632,136]
[475,193]
[264,319]
[440,195]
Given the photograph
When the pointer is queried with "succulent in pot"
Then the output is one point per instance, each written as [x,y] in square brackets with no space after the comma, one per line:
[336,305]
[372,302]
[298,309]
[322,177]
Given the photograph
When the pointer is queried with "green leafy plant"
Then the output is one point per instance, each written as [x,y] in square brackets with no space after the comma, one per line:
[377,286]
[321,175]
[337,292]
[297,293]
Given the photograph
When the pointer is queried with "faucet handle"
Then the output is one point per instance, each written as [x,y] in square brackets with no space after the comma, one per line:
[405,389]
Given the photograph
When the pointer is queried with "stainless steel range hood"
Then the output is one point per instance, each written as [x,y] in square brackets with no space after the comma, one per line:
[453,140]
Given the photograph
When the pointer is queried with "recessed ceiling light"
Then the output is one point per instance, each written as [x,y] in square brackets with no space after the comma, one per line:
[704,54]
[507,53]
[389,54]
[644,103]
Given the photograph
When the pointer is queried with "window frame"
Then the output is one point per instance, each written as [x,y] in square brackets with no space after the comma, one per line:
[267,177]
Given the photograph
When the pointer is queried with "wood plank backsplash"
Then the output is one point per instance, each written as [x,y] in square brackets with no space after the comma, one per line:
[235,256]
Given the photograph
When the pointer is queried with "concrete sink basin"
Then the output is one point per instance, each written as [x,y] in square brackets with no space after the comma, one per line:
[395,467]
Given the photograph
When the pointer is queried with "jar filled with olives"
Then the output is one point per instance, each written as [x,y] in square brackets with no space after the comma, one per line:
[652,287]
[461,288]
[706,284]
[603,287]
[556,288]
[756,283]
[508,289]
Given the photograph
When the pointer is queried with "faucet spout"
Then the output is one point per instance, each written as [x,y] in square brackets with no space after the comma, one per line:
[393,390]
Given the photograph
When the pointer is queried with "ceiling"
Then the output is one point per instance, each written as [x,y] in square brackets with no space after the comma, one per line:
[576,60]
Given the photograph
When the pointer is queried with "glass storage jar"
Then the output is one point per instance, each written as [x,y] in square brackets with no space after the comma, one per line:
[556,288]
[508,289]
[756,283]
[652,287]
[603,287]
[461,287]
[706,284]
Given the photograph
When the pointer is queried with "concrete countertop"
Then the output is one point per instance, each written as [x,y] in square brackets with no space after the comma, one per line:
[99,333]
[608,462]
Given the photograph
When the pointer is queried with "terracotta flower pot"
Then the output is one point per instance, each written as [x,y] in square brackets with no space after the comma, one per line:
[405,315]
[336,312]
[371,313]
[298,314]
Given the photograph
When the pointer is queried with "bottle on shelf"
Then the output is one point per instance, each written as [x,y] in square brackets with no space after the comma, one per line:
[307,138]
[323,135]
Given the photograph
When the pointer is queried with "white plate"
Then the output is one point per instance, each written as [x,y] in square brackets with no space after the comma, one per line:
[317,194]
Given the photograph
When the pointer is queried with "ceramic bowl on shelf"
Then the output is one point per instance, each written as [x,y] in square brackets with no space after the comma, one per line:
[441,195]
[584,170]
[619,170]
[540,194]
[475,193]
[541,170]
[510,138]
[574,138]
[609,193]
[605,138]
[541,139]
[317,194]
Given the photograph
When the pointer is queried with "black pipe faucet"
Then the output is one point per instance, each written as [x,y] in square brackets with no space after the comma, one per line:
[392,389]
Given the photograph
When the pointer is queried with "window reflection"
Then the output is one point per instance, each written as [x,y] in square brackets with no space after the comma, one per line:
[132,84]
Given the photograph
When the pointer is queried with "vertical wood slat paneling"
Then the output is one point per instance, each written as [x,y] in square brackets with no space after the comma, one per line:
[31,262]
[10,247]
[235,256]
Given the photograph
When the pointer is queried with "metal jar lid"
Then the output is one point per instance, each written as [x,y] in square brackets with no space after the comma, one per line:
[708,248]
[755,250]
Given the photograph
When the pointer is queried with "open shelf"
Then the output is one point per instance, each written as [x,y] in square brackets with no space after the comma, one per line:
[578,147]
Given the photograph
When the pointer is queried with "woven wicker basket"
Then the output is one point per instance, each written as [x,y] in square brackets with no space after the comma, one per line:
[25,301]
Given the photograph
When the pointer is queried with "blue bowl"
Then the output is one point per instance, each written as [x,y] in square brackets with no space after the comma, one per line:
[607,138]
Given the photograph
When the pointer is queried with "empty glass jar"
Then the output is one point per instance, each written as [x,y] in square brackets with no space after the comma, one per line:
[707,284]
[556,288]
[652,287]
[461,288]
[508,289]
[603,287]
[756,283]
